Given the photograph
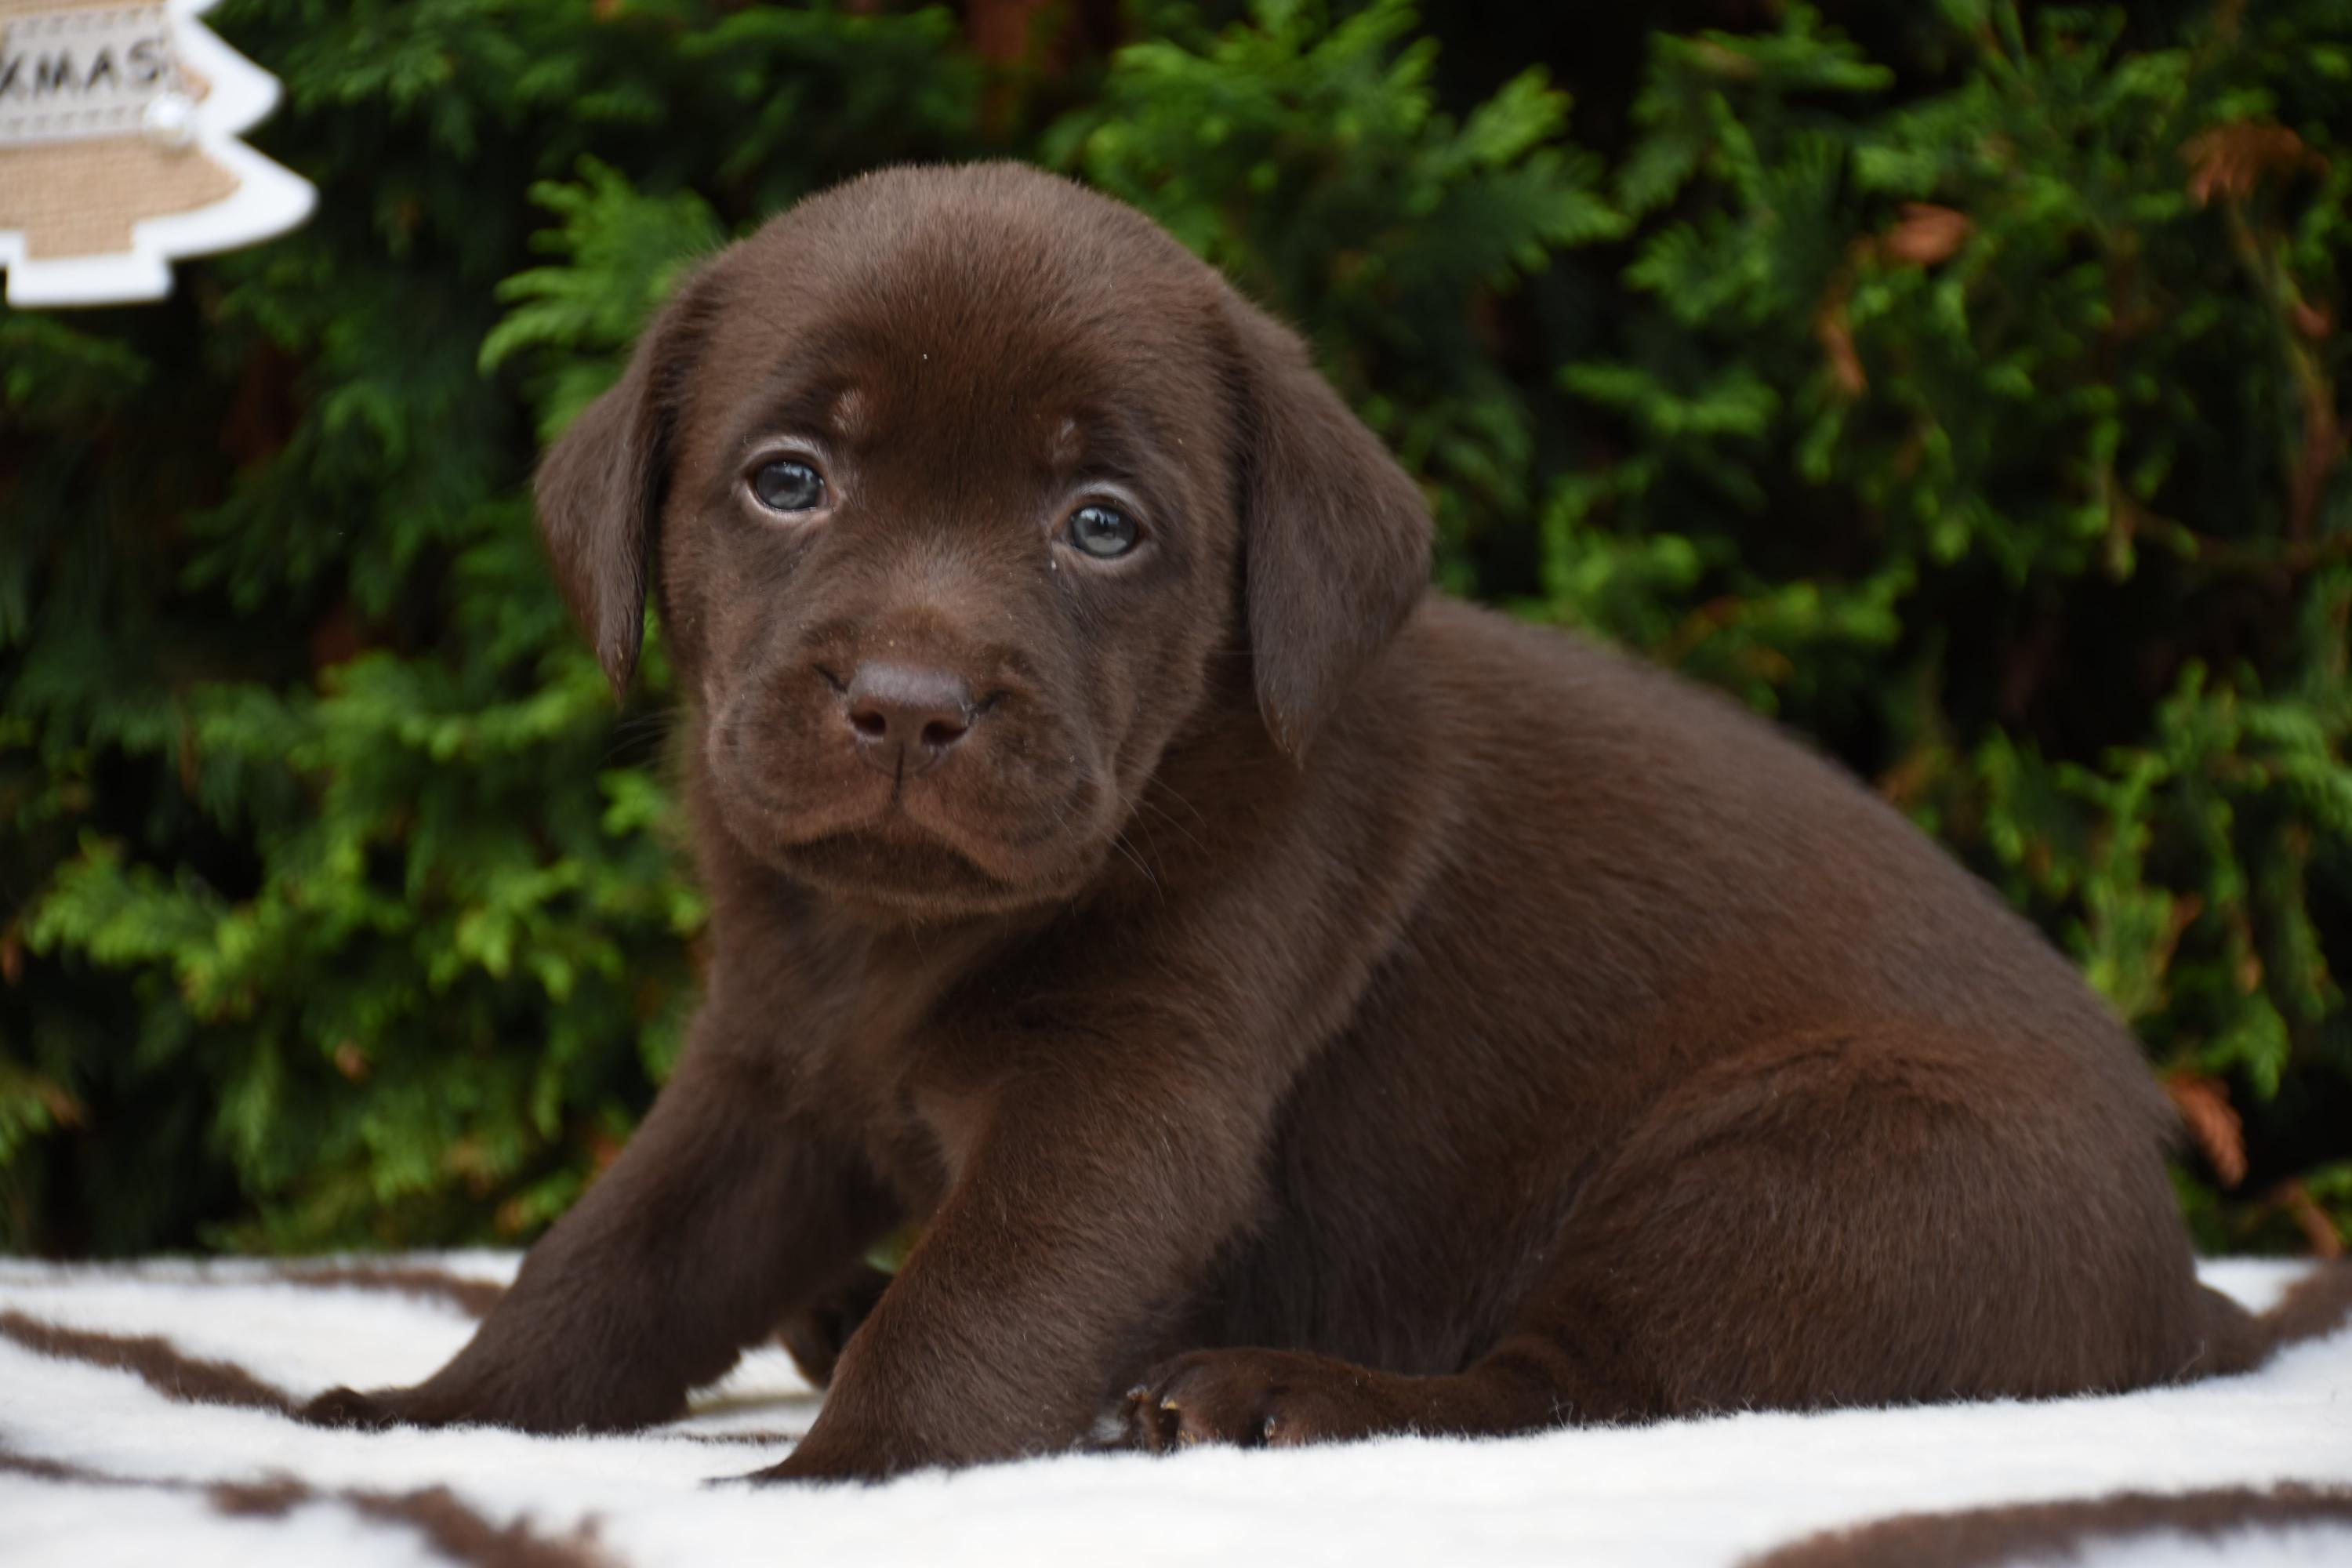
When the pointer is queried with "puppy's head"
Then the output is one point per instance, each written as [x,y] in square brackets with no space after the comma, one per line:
[966,488]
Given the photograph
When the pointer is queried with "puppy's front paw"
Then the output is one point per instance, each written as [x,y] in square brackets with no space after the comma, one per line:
[376,1410]
[549,1406]
[1251,1399]
[817,1462]
[348,1407]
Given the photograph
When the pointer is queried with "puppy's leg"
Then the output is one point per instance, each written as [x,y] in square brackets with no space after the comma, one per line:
[1088,1208]
[721,1217]
[814,1335]
[1830,1221]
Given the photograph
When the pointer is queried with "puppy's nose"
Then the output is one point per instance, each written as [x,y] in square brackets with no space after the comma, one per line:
[906,718]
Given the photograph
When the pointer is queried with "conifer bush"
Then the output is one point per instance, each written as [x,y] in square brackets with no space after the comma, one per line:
[1962,386]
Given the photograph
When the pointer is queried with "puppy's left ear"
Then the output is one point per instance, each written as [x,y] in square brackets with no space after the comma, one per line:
[1335,535]
[601,487]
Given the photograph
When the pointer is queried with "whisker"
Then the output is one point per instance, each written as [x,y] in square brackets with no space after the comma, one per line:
[1118,842]
[1173,794]
[1170,819]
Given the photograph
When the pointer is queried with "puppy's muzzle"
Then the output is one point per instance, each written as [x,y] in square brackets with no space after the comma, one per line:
[905,719]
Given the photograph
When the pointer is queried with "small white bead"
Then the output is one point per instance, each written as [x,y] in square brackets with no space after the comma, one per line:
[170,121]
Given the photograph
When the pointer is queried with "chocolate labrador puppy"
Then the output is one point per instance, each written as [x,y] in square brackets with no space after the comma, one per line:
[1314,1005]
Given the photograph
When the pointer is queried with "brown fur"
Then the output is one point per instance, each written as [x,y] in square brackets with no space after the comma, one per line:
[1327,1007]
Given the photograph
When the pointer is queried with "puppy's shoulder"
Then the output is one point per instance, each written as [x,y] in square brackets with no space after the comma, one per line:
[1557,676]
[1551,713]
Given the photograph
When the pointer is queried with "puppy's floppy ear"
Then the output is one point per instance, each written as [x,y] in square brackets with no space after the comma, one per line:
[601,486]
[1335,535]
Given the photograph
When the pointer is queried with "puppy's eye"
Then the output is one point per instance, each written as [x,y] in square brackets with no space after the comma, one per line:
[1102,531]
[788,486]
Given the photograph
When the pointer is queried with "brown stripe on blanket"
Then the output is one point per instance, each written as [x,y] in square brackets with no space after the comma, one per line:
[447,1525]
[475,1298]
[164,1367]
[46,1469]
[2057,1532]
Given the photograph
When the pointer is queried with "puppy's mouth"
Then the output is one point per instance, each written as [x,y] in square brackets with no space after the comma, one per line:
[898,873]
[1011,818]
[891,856]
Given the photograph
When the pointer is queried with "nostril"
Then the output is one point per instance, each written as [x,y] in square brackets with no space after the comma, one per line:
[907,717]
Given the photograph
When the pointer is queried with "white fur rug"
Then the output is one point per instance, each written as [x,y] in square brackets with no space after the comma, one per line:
[106,1457]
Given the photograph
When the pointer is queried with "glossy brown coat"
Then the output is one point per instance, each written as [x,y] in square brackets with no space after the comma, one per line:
[1319,1006]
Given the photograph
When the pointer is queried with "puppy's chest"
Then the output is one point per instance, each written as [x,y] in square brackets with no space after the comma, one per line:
[925,1037]
[919,1095]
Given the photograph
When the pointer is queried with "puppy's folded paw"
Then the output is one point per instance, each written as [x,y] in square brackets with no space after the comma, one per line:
[1250,1399]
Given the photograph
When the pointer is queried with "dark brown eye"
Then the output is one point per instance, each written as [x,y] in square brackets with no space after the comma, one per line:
[1103,531]
[788,486]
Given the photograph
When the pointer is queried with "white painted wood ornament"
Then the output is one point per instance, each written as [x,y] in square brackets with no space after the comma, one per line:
[119,150]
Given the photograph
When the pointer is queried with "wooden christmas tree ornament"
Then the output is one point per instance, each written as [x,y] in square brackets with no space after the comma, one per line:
[119,150]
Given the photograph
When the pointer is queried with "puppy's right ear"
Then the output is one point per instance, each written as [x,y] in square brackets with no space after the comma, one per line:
[601,486]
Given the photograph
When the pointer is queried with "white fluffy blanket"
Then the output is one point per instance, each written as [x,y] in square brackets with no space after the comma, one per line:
[140,1422]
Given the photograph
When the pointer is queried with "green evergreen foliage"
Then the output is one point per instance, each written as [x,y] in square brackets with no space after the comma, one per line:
[1963,386]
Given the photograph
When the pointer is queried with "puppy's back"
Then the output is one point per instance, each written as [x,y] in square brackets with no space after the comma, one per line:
[1710,861]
